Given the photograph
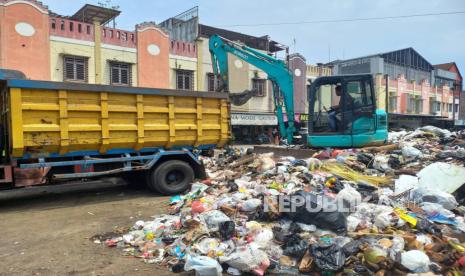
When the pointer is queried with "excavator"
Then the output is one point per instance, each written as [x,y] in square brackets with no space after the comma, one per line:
[354,121]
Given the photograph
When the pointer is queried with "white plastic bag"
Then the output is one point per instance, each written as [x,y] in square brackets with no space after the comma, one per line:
[203,266]
[246,258]
[383,220]
[405,182]
[416,261]
[352,223]
[213,218]
[411,153]
[250,204]
[450,176]
[381,163]
[350,196]
[263,238]
[398,245]
[447,200]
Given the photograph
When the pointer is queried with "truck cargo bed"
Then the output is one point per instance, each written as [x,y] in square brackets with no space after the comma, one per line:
[56,119]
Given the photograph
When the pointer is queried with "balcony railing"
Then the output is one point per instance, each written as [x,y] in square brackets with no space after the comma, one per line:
[84,31]
[71,29]
[118,37]
[182,48]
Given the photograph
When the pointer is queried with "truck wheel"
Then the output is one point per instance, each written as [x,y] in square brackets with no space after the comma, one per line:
[135,180]
[171,177]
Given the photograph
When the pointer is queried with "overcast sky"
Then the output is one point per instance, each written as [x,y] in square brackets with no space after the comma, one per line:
[439,39]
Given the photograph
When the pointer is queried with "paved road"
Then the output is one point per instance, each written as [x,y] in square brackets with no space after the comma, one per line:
[46,230]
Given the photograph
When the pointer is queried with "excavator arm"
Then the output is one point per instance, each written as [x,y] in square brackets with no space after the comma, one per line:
[277,71]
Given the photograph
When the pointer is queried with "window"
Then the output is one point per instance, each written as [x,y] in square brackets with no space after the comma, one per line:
[120,73]
[75,68]
[410,104]
[214,82]
[71,26]
[259,86]
[88,29]
[392,103]
[456,108]
[79,28]
[185,79]
[418,106]
[361,95]
[62,25]
[53,24]
[450,107]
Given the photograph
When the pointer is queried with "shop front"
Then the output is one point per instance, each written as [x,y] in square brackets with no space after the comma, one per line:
[252,128]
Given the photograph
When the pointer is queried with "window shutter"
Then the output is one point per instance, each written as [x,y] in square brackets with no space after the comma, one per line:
[114,74]
[124,76]
[69,69]
[179,80]
[80,71]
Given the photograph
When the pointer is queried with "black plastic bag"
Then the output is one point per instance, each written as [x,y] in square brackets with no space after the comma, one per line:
[352,247]
[328,256]
[426,226]
[326,218]
[227,229]
[365,158]
[394,163]
[295,246]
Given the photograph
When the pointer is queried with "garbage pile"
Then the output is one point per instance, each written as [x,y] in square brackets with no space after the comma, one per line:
[395,208]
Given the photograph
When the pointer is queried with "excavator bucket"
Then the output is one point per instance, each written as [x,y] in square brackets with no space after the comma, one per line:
[241,98]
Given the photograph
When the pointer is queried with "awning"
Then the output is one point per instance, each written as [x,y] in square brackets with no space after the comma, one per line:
[245,119]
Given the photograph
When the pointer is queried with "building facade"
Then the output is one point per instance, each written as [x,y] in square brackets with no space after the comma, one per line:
[407,84]
[173,54]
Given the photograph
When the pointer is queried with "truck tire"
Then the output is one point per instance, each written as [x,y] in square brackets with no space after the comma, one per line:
[171,177]
[136,179]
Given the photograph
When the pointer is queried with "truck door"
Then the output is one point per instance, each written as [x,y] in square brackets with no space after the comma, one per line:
[360,111]
[327,114]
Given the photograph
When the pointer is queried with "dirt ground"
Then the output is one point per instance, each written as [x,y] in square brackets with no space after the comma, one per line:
[46,231]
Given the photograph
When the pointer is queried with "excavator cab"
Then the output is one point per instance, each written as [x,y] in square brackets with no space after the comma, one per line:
[342,113]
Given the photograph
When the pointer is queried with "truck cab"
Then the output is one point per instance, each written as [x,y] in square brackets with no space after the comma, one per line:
[343,113]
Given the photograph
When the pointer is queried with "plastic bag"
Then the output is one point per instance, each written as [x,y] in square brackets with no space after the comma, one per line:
[250,204]
[247,258]
[410,153]
[328,257]
[213,219]
[383,220]
[263,238]
[398,245]
[375,254]
[435,208]
[350,196]
[443,133]
[405,182]
[203,266]
[321,215]
[447,200]
[227,229]
[314,164]
[266,162]
[352,223]
[295,246]
[416,261]
[381,163]
[450,176]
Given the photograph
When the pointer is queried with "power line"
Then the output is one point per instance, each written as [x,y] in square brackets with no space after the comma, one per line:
[347,19]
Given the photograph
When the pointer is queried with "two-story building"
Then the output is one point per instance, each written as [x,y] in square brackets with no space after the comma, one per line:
[410,88]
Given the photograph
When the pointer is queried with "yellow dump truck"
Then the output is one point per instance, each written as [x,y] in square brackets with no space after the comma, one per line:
[53,131]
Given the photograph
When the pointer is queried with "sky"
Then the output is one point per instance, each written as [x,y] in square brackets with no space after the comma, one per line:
[439,39]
